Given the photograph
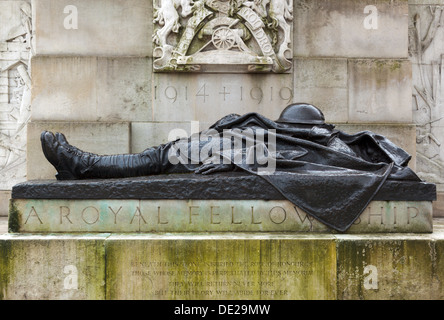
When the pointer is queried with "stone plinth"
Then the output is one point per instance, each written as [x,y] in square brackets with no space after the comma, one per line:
[232,202]
[214,266]
[221,267]
[34,267]
[122,216]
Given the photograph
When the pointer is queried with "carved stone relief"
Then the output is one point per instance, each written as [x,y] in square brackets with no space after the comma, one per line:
[15,98]
[426,50]
[223,35]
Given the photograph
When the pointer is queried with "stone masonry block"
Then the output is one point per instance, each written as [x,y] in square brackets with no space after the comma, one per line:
[351,28]
[323,83]
[389,268]
[90,89]
[93,28]
[380,91]
[208,267]
[209,97]
[5,195]
[149,134]
[49,268]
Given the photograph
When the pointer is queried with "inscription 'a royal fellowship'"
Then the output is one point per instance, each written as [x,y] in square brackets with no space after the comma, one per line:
[201,215]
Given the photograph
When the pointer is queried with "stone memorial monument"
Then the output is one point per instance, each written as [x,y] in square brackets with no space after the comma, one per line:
[299,155]
[185,177]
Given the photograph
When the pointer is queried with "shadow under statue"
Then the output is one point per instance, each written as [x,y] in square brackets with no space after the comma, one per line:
[331,175]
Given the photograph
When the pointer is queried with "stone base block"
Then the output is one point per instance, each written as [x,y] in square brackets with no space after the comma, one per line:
[438,205]
[49,267]
[5,195]
[216,266]
[221,267]
[225,202]
[395,267]
[126,216]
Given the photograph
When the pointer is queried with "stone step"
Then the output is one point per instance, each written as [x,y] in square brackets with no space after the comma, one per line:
[210,266]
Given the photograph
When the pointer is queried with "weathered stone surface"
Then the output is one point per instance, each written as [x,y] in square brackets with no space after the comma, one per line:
[122,216]
[5,195]
[215,266]
[424,2]
[3,225]
[209,97]
[98,28]
[380,91]
[347,29]
[438,205]
[203,267]
[91,89]
[394,267]
[37,267]
[101,138]
[148,134]
[323,83]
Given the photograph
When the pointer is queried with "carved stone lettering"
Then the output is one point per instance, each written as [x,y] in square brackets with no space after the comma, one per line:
[278,215]
[90,215]
[159,219]
[208,216]
[33,213]
[243,279]
[64,214]
[139,215]
[192,213]
[115,213]
[228,92]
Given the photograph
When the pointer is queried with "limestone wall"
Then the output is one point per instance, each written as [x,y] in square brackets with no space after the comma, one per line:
[15,93]
[426,53]
[93,79]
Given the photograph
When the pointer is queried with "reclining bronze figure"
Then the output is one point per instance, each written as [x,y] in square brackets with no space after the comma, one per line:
[328,173]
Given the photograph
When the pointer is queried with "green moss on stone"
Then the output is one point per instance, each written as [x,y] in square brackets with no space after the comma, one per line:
[14,218]
[395,66]
[6,267]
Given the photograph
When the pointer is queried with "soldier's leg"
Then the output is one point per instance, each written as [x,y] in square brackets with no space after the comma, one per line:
[72,163]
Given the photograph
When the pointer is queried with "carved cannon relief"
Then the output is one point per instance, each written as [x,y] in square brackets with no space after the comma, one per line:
[222,36]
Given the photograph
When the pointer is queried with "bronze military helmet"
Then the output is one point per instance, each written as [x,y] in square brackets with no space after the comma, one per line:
[302,113]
